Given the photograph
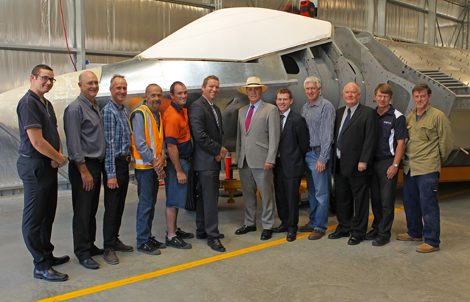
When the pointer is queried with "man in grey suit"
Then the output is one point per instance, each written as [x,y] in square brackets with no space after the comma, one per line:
[258,133]
[208,137]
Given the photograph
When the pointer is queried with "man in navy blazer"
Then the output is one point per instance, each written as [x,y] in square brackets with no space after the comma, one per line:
[289,167]
[356,135]
[209,150]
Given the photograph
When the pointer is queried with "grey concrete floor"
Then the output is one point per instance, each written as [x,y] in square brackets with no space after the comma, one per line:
[323,270]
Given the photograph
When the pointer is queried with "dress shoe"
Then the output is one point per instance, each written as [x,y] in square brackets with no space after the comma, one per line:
[291,236]
[280,229]
[406,237]
[90,263]
[372,234]
[204,236]
[95,251]
[380,241]
[426,248]
[110,257]
[305,228]
[337,235]
[59,260]
[315,235]
[184,235]
[267,234]
[156,243]
[214,243]
[121,247]
[245,229]
[355,240]
[149,248]
[50,275]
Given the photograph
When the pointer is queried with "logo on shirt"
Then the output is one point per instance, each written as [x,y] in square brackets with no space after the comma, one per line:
[387,122]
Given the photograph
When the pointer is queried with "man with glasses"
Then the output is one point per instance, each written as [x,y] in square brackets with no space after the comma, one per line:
[86,146]
[40,156]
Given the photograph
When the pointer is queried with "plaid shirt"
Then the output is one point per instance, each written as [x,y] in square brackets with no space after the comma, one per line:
[117,133]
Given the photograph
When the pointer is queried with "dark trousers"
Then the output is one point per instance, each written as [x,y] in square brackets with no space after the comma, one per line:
[207,212]
[287,197]
[352,203]
[85,205]
[40,203]
[382,193]
[114,200]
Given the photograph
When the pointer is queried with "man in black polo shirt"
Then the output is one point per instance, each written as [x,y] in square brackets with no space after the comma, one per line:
[40,156]
[390,149]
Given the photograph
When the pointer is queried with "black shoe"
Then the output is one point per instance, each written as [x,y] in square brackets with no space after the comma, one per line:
[267,234]
[50,275]
[182,234]
[204,236]
[149,248]
[90,263]
[177,242]
[355,240]
[280,229]
[291,236]
[110,257]
[95,251]
[214,243]
[337,235]
[372,234]
[121,247]
[245,229]
[380,241]
[156,243]
[59,260]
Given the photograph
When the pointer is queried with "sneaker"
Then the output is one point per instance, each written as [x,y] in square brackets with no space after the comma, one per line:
[158,244]
[182,234]
[121,247]
[177,242]
[406,237]
[149,248]
[316,234]
[110,257]
[426,248]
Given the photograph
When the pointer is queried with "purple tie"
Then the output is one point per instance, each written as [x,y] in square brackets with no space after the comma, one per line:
[248,118]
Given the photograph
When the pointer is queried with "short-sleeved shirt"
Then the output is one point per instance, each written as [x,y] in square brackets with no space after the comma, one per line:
[33,113]
[176,129]
[392,127]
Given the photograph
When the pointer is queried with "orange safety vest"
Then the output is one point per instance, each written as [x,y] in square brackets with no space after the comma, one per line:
[153,138]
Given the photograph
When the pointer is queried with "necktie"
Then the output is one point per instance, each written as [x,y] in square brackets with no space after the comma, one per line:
[346,121]
[282,122]
[248,118]
[215,114]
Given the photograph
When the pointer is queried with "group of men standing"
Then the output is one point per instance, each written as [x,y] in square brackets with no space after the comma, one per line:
[365,147]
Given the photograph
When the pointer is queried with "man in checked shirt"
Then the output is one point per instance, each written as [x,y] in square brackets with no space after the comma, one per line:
[320,116]
[116,177]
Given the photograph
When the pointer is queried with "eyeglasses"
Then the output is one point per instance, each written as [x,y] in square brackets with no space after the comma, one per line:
[46,78]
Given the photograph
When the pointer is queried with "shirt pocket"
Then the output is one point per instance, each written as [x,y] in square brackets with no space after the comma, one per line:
[427,133]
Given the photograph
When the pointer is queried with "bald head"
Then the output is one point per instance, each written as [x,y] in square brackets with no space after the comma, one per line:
[351,94]
[89,85]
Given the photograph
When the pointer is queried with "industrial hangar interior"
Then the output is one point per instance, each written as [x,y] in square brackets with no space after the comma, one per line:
[368,42]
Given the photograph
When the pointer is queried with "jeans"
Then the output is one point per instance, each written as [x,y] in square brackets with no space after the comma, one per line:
[421,203]
[318,191]
[147,190]
[176,193]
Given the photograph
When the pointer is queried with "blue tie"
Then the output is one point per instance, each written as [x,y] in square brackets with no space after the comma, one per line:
[346,121]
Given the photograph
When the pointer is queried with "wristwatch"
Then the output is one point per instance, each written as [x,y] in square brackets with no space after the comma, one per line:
[395,165]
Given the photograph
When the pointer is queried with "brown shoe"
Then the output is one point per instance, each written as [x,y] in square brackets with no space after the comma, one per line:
[426,248]
[406,237]
[305,228]
[316,234]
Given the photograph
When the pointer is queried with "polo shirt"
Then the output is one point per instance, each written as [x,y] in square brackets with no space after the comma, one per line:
[176,129]
[392,127]
[32,113]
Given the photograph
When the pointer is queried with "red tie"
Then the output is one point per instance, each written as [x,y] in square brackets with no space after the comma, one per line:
[248,118]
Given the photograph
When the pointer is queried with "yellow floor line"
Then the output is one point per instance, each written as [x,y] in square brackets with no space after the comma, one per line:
[181,267]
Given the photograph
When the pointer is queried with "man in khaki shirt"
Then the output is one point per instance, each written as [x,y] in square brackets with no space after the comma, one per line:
[430,143]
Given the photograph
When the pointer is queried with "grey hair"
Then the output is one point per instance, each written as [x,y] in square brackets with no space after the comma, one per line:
[115,76]
[313,79]
[357,86]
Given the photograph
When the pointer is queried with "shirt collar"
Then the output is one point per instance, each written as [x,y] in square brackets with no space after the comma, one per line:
[119,107]
[177,108]
[86,101]
[256,104]
[286,114]
[317,102]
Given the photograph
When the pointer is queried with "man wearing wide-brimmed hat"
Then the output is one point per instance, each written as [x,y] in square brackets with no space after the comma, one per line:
[258,133]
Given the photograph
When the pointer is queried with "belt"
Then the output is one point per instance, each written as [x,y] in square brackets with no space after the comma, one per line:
[384,157]
[124,158]
[93,159]
[316,149]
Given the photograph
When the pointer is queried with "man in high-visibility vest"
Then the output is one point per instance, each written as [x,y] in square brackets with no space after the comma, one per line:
[148,159]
